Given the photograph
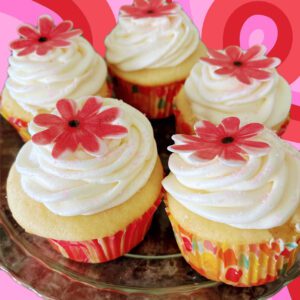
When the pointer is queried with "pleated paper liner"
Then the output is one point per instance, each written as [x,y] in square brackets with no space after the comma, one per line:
[154,101]
[237,265]
[110,247]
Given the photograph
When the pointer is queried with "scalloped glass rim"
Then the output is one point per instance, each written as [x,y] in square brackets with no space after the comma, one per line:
[284,280]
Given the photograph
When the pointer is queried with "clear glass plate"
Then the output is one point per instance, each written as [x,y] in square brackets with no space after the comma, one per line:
[153,270]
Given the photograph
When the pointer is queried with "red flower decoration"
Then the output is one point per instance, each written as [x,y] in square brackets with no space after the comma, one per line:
[244,65]
[149,8]
[85,127]
[44,38]
[227,141]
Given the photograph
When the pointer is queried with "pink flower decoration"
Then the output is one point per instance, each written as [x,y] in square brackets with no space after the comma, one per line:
[227,141]
[244,65]
[44,38]
[149,8]
[85,127]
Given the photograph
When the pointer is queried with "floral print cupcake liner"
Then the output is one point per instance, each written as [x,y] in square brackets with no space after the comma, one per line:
[155,101]
[111,247]
[236,265]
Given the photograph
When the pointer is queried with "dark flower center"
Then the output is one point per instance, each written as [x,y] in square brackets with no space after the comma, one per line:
[150,11]
[74,123]
[227,140]
[237,63]
[42,39]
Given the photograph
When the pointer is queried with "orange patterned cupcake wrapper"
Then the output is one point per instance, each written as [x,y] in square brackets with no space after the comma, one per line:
[155,101]
[237,265]
[111,247]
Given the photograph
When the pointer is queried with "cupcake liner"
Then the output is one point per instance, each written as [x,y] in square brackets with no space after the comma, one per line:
[20,125]
[237,265]
[110,247]
[155,101]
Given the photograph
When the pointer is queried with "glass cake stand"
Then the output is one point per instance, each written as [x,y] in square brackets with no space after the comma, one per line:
[153,270]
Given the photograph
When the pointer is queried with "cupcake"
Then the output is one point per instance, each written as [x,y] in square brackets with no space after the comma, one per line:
[89,181]
[49,63]
[238,83]
[150,53]
[233,199]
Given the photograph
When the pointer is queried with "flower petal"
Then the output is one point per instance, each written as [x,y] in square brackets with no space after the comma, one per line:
[29,32]
[47,120]
[110,131]
[59,43]
[215,62]
[61,28]
[225,71]
[88,141]
[252,52]
[65,141]
[263,63]
[234,52]
[69,34]
[218,55]
[46,137]
[254,144]
[250,130]
[43,49]
[27,50]
[207,131]
[132,11]
[258,74]
[233,153]
[242,76]
[141,3]
[20,44]
[91,107]
[230,126]
[186,138]
[207,153]
[186,147]
[45,25]
[66,109]
[109,115]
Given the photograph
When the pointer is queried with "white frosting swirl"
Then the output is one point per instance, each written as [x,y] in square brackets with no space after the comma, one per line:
[263,193]
[214,97]
[161,42]
[36,82]
[80,183]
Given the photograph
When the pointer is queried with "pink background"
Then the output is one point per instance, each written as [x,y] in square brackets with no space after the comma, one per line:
[274,23]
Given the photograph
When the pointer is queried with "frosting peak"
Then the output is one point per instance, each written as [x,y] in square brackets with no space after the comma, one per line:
[37,81]
[161,42]
[214,96]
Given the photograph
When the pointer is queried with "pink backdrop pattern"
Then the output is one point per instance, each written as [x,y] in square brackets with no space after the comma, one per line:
[274,23]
